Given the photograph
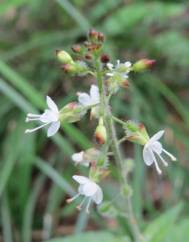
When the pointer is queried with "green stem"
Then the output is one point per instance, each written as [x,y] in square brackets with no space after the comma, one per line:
[109,122]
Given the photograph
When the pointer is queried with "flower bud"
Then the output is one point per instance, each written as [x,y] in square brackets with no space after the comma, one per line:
[76,49]
[105,58]
[100,133]
[124,83]
[93,34]
[88,57]
[101,37]
[136,133]
[71,113]
[64,57]
[77,67]
[143,64]
[69,68]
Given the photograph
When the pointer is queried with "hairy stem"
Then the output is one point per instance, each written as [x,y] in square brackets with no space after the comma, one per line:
[109,122]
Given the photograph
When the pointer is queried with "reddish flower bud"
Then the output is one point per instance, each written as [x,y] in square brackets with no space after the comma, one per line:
[88,56]
[93,34]
[124,83]
[105,58]
[69,68]
[149,63]
[76,48]
[143,64]
[101,37]
[101,133]
[72,105]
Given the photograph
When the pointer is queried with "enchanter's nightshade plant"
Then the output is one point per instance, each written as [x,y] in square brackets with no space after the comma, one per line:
[90,59]
[153,149]
[89,189]
[49,117]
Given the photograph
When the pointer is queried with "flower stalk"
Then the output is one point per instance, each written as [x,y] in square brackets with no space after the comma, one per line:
[111,130]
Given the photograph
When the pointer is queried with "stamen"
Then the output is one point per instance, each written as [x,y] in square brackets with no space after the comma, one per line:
[32,130]
[69,200]
[33,115]
[173,158]
[28,119]
[79,207]
[157,167]
[88,206]
[163,161]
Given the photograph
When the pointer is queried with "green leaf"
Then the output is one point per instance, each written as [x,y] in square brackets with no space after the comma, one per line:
[128,17]
[75,14]
[179,232]
[92,237]
[157,229]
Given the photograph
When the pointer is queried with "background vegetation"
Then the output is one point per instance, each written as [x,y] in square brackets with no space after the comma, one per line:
[35,172]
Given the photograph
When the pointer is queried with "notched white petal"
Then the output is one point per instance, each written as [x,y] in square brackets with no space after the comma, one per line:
[84,99]
[147,156]
[51,104]
[81,179]
[78,157]
[98,196]
[53,129]
[94,93]
[156,136]
[89,189]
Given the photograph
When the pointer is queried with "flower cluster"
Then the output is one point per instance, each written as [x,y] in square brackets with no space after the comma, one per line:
[89,59]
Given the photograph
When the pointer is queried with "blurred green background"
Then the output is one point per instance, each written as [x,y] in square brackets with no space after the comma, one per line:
[35,172]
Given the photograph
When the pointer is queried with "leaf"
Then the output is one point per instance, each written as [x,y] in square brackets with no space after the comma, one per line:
[158,229]
[128,17]
[179,232]
[75,14]
[91,237]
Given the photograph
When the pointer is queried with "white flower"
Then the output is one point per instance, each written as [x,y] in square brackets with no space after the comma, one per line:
[78,158]
[91,99]
[49,117]
[120,69]
[89,189]
[153,149]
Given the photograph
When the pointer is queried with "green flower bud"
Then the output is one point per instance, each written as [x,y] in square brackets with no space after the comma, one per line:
[143,65]
[71,113]
[64,57]
[69,68]
[136,133]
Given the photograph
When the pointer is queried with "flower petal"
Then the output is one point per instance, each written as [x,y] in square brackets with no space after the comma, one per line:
[156,136]
[94,93]
[81,179]
[89,189]
[98,196]
[127,64]
[157,147]
[54,127]
[78,157]
[110,66]
[48,116]
[84,99]
[148,156]
[51,104]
